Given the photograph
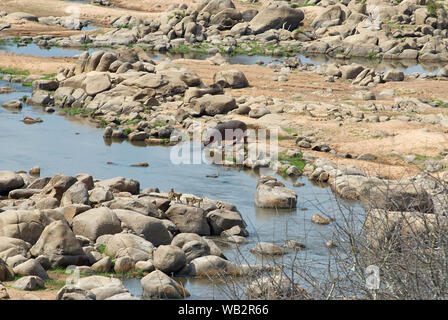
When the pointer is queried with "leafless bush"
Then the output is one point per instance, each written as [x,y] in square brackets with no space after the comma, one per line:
[408,246]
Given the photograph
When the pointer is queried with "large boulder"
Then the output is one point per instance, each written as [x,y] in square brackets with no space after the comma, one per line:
[96,222]
[102,287]
[143,206]
[231,79]
[226,18]
[29,283]
[76,194]
[189,219]
[23,16]
[5,272]
[10,247]
[213,7]
[275,287]
[58,185]
[96,82]
[332,16]
[169,259]
[70,292]
[150,228]
[158,285]
[120,184]
[402,196]
[196,249]
[134,246]
[106,60]
[213,105]
[221,220]
[397,229]
[266,248]
[276,17]
[31,268]
[59,244]
[273,194]
[10,181]
[207,266]
[26,225]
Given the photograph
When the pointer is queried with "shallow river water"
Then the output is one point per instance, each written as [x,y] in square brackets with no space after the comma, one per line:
[407,66]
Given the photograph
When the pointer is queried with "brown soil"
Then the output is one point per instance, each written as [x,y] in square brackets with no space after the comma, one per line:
[34,64]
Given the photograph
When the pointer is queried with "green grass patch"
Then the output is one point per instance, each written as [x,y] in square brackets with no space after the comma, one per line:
[131,122]
[75,111]
[14,71]
[298,162]
[49,76]
[102,249]
[160,124]
[290,130]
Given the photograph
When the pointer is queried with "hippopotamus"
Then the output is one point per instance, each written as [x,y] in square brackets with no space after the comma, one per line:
[230,130]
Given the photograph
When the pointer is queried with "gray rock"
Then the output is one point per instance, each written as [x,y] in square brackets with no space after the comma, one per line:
[266,248]
[151,228]
[160,286]
[213,105]
[31,268]
[189,219]
[276,17]
[29,283]
[231,79]
[59,243]
[96,222]
[169,258]
[124,264]
[221,220]
[273,194]
[10,181]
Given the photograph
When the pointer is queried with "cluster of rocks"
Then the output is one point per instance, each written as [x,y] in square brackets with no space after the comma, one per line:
[68,22]
[65,22]
[111,226]
[343,29]
[127,91]
[421,193]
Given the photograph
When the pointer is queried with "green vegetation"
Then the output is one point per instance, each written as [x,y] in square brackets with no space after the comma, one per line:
[127,131]
[195,48]
[440,103]
[298,162]
[130,122]
[54,284]
[49,76]
[160,124]
[290,130]
[75,111]
[432,6]
[372,55]
[27,84]
[306,4]
[103,122]
[14,71]
[102,249]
